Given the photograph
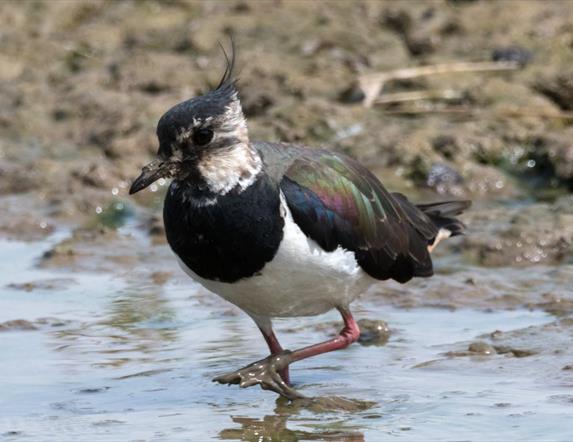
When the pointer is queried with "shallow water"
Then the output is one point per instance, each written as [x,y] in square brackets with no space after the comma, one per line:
[120,359]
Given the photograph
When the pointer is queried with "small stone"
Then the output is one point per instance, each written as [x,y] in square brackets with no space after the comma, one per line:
[512,53]
[373,332]
[482,348]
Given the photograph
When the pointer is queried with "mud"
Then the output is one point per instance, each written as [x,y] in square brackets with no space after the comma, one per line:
[104,338]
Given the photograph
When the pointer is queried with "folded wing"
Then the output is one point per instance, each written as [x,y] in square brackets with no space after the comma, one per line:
[339,203]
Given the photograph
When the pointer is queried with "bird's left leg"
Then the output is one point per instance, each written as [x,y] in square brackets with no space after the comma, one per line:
[275,348]
[271,373]
[266,371]
[266,327]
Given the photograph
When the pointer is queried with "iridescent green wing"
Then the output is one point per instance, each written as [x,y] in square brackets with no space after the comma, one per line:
[339,203]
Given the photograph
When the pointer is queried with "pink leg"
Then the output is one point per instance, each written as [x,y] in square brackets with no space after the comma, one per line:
[349,334]
[276,348]
[271,373]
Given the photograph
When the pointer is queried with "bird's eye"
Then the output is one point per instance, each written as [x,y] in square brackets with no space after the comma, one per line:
[203,136]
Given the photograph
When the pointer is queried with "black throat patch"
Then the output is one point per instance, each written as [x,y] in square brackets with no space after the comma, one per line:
[231,239]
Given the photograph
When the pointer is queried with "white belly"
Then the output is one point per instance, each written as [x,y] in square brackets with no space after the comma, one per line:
[301,280]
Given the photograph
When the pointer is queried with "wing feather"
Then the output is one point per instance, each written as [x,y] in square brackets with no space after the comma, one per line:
[339,203]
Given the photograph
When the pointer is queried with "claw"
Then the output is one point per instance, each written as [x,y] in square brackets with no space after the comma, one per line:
[264,373]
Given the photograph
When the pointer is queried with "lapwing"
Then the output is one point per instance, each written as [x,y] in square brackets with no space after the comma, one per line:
[282,230]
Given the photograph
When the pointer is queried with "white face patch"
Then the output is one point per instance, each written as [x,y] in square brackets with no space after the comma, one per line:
[227,168]
[229,160]
[237,164]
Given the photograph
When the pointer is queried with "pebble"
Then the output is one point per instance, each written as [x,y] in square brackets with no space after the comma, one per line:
[373,332]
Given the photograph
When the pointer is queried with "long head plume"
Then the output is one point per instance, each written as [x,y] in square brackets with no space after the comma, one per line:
[230,67]
[228,80]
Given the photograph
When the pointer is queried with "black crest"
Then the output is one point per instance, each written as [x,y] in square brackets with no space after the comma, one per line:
[210,105]
[228,79]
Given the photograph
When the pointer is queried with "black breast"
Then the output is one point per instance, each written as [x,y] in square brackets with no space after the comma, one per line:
[229,240]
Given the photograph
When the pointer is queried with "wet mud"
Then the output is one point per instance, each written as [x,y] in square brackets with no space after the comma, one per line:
[103,338]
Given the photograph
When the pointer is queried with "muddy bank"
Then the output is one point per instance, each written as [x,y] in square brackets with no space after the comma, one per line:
[84,84]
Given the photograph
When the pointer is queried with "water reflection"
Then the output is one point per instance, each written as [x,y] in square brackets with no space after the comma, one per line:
[274,428]
[328,421]
[138,326]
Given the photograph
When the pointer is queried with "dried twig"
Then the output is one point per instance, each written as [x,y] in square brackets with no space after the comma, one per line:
[372,84]
[527,113]
[401,97]
[459,110]
[463,110]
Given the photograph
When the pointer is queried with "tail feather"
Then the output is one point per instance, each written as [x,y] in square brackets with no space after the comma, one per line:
[442,215]
[445,208]
[428,225]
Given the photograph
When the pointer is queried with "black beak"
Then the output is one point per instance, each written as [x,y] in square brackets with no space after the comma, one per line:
[151,173]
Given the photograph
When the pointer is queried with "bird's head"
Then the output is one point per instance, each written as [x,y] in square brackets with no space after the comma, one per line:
[205,141]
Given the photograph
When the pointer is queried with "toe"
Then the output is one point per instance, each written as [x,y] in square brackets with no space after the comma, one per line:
[266,373]
[230,378]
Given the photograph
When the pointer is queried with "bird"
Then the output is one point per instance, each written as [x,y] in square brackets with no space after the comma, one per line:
[282,230]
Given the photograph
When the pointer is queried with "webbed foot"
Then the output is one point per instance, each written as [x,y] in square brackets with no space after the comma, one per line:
[264,373]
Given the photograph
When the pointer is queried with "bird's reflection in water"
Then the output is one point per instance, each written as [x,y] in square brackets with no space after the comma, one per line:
[274,427]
